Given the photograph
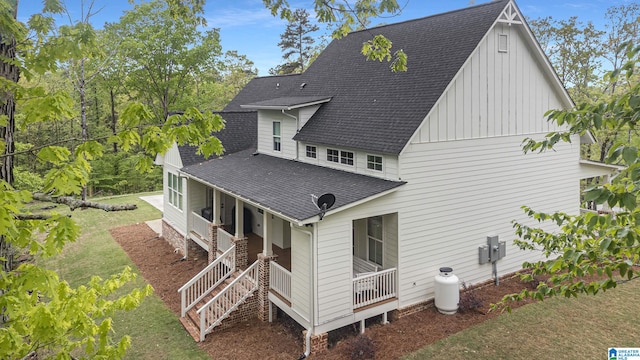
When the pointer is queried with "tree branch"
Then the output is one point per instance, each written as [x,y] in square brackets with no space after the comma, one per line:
[75,203]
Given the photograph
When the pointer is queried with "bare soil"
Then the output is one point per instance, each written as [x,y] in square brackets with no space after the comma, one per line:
[166,272]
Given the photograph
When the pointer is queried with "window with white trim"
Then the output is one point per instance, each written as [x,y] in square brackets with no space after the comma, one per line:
[332,155]
[346,157]
[374,237]
[311,151]
[374,162]
[277,145]
[175,190]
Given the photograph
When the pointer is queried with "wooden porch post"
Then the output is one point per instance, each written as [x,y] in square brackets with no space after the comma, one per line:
[216,207]
[267,248]
[239,219]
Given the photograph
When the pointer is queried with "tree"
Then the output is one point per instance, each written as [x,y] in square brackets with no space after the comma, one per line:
[41,314]
[346,17]
[163,55]
[607,245]
[296,43]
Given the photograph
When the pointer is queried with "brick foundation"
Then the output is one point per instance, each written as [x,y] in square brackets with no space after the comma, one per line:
[173,237]
[263,285]
[213,243]
[246,312]
[409,310]
[319,342]
[242,251]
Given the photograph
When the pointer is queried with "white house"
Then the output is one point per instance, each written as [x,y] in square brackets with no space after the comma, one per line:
[423,166]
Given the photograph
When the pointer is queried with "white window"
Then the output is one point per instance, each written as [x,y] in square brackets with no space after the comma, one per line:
[175,190]
[374,235]
[346,157]
[276,136]
[332,155]
[374,162]
[311,151]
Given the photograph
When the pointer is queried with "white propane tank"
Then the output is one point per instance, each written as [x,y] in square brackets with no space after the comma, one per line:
[447,291]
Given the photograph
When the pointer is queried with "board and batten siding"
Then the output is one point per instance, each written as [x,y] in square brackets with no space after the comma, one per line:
[301,273]
[287,132]
[460,192]
[172,215]
[495,94]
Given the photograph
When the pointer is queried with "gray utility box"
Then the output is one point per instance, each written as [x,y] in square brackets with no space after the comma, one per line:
[493,251]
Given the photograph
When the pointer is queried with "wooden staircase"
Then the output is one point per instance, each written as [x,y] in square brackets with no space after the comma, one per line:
[214,293]
[245,289]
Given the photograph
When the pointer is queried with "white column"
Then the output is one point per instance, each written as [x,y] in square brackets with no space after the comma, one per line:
[239,219]
[217,211]
[267,248]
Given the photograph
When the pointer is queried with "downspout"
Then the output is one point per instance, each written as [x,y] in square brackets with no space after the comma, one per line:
[297,128]
[311,296]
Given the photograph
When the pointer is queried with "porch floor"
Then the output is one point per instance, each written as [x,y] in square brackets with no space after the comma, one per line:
[255,248]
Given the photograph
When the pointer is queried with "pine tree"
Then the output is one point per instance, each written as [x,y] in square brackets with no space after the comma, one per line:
[296,43]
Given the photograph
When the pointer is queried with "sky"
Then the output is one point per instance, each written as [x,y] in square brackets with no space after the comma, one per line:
[248,27]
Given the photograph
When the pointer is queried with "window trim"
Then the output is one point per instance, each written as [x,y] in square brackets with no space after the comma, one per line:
[277,138]
[335,156]
[345,159]
[311,152]
[371,163]
[378,242]
[174,186]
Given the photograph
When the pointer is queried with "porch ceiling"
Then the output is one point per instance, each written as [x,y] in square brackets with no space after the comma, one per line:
[285,186]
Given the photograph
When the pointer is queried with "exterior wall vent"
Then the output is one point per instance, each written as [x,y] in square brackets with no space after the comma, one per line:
[503,43]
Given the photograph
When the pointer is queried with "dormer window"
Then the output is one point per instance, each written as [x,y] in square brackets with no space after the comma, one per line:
[311,152]
[374,162]
[277,145]
[332,155]
[346,157]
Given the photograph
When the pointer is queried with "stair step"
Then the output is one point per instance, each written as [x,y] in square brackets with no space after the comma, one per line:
[191,328]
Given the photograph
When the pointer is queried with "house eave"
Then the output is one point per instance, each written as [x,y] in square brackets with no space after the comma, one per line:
[284,107]
[243,199]
[315,219]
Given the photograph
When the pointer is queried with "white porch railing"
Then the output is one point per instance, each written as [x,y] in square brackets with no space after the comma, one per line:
[280,280]
[227,300]
[224,240]
[206,280]
[374,287]
[200,226]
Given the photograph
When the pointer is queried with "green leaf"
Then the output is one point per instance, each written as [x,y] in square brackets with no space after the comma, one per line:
[630,154]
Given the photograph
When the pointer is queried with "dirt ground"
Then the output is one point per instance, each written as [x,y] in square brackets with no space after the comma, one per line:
[282,339]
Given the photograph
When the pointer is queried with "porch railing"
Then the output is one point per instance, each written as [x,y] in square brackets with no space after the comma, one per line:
[206,280]
[200,225]
[224,240]
[227,300]
[280,280]
[374,287]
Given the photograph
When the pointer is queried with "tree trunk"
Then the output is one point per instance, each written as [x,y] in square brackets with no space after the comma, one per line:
[113,119]
[83,114]
[9,71]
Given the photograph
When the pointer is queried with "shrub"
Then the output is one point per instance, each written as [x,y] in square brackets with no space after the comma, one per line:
[363,348]
[470,300]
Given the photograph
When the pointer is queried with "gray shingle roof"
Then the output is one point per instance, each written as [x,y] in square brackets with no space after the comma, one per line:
[285,186]
[373,108]
[240,133]
[290,102]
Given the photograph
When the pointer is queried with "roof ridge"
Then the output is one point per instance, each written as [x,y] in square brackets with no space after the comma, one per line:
[491,2]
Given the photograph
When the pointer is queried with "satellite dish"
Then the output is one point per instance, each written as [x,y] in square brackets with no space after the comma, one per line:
[324,203]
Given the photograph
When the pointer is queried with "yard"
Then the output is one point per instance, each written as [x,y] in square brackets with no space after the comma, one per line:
[558,326]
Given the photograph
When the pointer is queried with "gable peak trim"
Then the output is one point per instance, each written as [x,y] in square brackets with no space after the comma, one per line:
[510,15]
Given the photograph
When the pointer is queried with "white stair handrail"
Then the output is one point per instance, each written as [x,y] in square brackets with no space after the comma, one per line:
[206,280]
[207,311]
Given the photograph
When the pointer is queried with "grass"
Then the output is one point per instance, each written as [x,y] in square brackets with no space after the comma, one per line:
[155,331]
[579,328]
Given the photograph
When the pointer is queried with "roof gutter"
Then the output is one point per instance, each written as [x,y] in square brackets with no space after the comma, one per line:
[284,107]
[243,199]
